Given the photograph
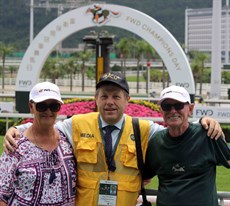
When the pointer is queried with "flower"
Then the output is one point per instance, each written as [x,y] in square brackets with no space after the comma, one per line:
[135,108]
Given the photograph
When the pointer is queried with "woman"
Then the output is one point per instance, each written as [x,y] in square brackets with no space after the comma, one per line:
[42,170]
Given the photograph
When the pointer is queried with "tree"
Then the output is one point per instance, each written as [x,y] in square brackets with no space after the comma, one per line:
[226,77]
[198,61]
[53,69]
[12,70]
[142,48]
[83,57]
[5,49]
[71,68]
[124,47]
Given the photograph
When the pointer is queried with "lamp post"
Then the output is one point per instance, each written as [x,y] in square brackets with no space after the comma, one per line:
[102,42]
[148,64]
[31,20]
[215,90]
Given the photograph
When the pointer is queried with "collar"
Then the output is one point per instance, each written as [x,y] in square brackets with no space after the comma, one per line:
[118,124]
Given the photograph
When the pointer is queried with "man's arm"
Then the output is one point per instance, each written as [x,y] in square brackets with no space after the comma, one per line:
[222,152]
[12,134]
[212,126]
[66,127]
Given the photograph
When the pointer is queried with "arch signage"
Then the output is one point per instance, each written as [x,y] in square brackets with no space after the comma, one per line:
[101,16]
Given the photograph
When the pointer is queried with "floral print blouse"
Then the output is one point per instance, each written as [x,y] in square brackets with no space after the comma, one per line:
[33,176]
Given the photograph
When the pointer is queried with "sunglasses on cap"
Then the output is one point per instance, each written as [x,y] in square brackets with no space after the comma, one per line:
[178,106]
[42,107]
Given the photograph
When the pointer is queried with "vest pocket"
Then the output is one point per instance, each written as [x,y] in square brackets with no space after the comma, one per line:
[87,151]
[128,156]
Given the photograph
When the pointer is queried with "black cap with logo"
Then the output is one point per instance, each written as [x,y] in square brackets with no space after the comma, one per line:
[115,78]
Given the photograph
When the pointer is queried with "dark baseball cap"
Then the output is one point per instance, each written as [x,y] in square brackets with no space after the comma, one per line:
[114,78]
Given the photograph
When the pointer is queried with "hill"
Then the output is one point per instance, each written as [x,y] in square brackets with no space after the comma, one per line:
[15,18]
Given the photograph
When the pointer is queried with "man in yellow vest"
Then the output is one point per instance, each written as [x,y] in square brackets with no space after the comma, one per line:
[109,176]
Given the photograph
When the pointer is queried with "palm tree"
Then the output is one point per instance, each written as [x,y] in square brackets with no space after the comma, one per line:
[83,57]
[5,49]
[198,67]
[12,70]
[71,69]
[53,69]
[124,47]
[141,48]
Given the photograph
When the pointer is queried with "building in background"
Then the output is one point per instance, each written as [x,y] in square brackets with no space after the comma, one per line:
[198,31]
[207,30]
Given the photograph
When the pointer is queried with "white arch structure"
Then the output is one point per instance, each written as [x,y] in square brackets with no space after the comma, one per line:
[119,16]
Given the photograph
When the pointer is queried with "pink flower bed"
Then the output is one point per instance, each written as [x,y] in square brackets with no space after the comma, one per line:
[133,109]
[137,110]
[78,108]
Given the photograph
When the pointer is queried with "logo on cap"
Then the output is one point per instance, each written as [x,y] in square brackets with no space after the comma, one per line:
[47,90]
[173,91]
[111,76]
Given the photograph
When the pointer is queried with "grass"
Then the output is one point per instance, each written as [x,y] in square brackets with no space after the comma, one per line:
[134,78]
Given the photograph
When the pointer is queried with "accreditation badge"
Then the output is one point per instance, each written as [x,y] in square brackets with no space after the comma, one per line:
[107,193]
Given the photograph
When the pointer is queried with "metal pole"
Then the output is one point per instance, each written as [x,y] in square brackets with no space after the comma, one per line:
[148,72]
[227,33]
[186,33]
[59,13]
[31,20]
[215,92]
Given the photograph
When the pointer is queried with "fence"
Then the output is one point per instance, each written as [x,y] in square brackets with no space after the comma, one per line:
[23,115]
[62,117]
[223,197]
[64,84]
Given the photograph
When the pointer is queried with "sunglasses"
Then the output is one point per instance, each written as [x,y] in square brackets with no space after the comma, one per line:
[177,106]
[42,107]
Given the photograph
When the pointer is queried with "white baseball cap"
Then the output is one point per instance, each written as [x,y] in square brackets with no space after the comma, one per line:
[175,92]
[44,91]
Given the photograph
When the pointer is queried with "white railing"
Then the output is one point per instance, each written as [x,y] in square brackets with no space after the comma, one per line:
[64,85]
[62,117]
[23,115]
[223,197]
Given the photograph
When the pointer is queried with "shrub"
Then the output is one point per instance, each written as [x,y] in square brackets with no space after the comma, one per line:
[226,130]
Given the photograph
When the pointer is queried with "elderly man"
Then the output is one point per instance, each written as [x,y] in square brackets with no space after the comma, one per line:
[182,156]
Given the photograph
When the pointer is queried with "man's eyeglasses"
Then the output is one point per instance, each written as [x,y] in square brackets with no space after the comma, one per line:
[42,107]
[177,106]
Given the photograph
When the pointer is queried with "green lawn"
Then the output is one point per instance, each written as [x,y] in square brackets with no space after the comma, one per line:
[134,78]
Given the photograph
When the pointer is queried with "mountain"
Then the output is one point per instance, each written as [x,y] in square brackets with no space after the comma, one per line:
[15,18]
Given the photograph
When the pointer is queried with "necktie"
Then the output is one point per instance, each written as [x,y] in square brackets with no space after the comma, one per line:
[108,147]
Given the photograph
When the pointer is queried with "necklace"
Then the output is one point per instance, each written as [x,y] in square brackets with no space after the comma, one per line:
[51,156]
[49,145]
